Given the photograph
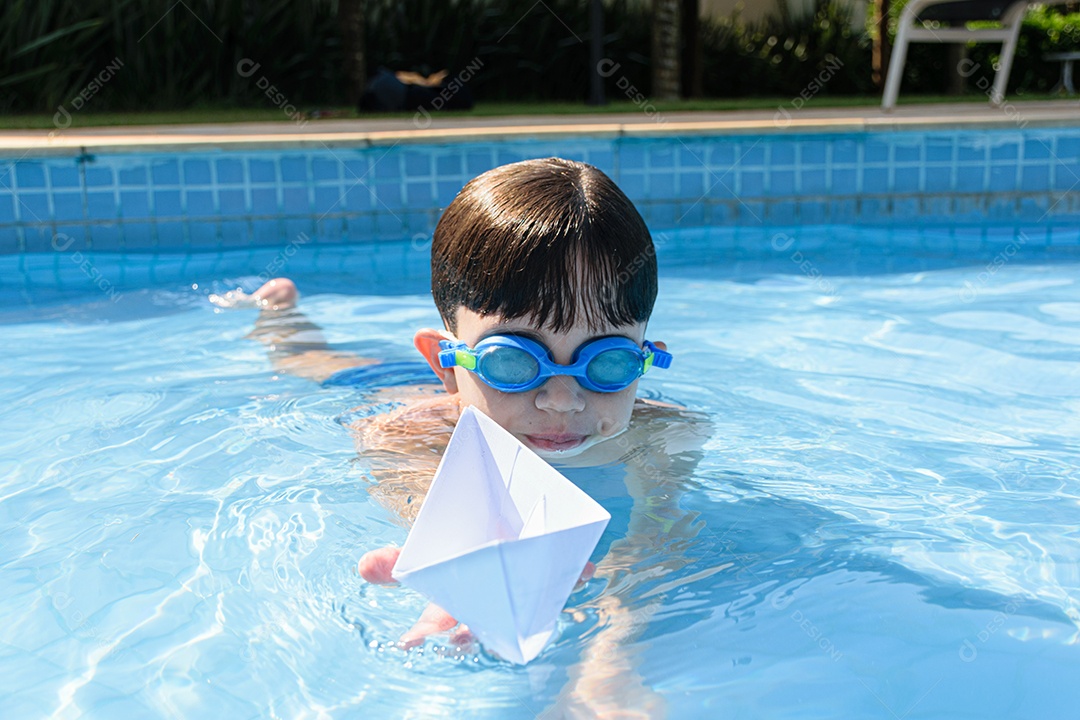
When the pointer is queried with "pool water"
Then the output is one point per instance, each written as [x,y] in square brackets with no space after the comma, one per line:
[889,500]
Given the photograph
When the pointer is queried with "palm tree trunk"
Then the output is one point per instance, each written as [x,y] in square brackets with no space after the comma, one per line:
[691,48]
[351,24]
[665,50]
[881,50]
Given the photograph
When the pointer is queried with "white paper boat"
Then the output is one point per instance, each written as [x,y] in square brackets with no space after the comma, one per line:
[501,539]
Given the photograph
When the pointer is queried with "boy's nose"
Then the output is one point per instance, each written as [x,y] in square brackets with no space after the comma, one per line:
[561,393]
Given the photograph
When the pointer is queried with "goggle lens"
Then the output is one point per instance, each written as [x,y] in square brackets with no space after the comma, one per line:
[614,368]
[508,366]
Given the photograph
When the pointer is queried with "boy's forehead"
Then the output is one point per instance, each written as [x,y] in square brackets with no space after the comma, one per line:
[473,326]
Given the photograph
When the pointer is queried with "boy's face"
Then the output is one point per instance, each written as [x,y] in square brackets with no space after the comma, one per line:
[558,419]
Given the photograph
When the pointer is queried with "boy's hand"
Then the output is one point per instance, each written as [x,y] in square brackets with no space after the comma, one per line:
[376,567]
[276,294]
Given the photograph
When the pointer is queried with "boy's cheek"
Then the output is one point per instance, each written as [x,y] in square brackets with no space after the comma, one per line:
[510,410]
[488,399]
[620,414]
[622,408]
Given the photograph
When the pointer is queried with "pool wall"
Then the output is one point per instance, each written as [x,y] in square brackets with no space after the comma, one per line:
[368,211]
[200,201]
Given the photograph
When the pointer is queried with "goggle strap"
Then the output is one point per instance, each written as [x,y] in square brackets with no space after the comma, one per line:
[465,359]
[657,357]
[456,353]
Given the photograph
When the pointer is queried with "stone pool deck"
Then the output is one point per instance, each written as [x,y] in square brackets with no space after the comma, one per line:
[391,131]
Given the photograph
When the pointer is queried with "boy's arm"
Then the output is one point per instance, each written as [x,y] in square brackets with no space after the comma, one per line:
[403,447]
[605,682]
[297,346]
[403,470]
[294,344]
[655,481]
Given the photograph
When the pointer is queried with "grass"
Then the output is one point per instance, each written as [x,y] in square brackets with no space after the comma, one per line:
[199,116]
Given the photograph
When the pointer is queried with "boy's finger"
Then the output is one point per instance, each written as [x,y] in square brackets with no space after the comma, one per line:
[462,637]
[234,299]
[376,566]
[433,620]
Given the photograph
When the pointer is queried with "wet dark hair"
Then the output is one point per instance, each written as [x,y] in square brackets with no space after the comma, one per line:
[537,238]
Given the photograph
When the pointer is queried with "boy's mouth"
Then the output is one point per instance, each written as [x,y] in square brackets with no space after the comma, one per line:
[560,441]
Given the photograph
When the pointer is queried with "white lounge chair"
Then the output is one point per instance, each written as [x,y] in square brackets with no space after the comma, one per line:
[957,13]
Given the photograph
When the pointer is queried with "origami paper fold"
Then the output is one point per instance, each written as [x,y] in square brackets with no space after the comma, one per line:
[501,539]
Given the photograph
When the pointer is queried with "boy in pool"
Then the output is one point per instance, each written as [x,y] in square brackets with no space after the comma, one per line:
[535,266]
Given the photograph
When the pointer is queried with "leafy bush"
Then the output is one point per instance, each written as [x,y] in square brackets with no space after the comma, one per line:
[527,53]
[173,55]
[1045,29]
[179,55]
[783,55]
[183,55]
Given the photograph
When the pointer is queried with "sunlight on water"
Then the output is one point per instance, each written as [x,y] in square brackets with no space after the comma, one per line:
[884,514]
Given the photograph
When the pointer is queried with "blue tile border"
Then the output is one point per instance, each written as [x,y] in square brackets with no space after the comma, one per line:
[164,201]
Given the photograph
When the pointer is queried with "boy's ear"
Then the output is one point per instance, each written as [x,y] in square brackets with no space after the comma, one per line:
[427,342]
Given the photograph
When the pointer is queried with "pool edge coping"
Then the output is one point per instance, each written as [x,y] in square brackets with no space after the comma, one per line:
[53,145]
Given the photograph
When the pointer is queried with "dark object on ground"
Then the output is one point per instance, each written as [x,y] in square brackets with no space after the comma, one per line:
[392,92]
[320,114]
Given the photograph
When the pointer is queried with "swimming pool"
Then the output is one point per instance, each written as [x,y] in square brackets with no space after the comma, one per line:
[889,493]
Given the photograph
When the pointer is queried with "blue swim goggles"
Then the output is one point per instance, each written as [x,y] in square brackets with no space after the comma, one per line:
[512,363]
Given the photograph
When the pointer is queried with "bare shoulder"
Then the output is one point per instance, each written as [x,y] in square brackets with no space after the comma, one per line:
[676,426]
[654,412]
[402,449]
[657,430]
[421,422]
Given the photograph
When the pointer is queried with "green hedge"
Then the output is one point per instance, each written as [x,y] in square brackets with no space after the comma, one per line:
[1045,30]
[784,56]
[184,55]
[173,55]
[165,55]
